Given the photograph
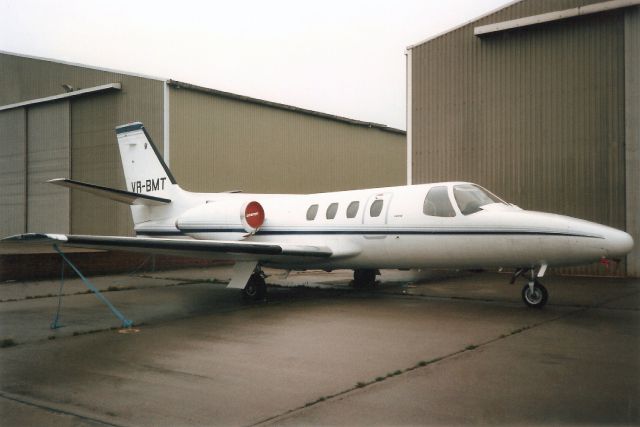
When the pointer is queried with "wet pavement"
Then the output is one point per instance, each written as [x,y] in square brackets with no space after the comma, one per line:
[422,348]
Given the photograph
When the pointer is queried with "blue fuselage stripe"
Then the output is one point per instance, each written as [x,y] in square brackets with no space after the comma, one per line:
[367,232]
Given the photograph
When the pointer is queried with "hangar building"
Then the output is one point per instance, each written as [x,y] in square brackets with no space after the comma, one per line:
[57,120]
[540,103]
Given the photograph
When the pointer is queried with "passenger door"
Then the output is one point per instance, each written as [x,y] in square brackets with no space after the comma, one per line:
[375,212]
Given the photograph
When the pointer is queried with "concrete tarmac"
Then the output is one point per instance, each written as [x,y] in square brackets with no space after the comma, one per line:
[423,349]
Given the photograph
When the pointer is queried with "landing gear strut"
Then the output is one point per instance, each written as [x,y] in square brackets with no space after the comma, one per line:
[256,288]
[534,294]
[364,278]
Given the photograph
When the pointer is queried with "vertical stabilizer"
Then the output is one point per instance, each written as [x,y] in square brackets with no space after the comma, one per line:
[144,169]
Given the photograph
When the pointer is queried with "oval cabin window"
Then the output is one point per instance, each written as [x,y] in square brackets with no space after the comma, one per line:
[332,210]
[312,212]
[352,209]
[376,208]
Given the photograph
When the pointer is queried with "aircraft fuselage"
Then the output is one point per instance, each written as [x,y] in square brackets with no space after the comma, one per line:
[400,235]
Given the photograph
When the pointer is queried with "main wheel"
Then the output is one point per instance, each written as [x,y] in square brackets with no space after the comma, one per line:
[535,298]
[364,278]
[256,288]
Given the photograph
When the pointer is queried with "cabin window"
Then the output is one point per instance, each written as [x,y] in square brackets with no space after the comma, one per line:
[376,208]
[332,210]
[471,198]
[437,203]
[312,212]
[352,209]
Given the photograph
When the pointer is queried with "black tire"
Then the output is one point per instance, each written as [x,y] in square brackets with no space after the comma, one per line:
[537,298]
[256,288]
[364,278]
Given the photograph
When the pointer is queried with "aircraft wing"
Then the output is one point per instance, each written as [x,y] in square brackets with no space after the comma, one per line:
[232,250]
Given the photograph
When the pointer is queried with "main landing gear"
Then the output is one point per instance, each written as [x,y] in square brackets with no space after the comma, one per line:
[364,278]
[256,288]
[534,294]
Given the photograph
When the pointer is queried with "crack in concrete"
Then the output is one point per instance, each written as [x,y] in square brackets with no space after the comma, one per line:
[422,364]
[103,291]
[48,406]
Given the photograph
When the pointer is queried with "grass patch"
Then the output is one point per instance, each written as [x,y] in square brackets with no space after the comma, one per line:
[471,347]
[422,363]
[7,342]
[360,384]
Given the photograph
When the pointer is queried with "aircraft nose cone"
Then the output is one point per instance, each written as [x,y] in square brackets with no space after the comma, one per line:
[619,243]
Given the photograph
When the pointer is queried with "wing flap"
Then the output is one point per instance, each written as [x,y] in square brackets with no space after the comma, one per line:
[111,193]
[187,247]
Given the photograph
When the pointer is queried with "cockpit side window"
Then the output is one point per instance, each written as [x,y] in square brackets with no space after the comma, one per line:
[437,203]
[312,212]
[470,198]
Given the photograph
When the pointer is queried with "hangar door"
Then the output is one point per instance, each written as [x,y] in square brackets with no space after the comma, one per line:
[35,148]
[47,158]
[13,172]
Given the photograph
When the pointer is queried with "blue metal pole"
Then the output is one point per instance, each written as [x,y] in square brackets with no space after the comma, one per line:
[55,324]
[126,323]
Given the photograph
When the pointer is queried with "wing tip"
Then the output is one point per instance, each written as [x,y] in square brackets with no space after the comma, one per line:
[34,237]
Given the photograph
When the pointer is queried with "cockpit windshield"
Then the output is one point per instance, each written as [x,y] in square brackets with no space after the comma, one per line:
[471,198]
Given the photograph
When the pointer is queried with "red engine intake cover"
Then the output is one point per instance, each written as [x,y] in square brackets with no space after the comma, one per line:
[254,215]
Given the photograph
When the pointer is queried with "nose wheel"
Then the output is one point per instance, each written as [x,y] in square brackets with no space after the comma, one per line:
[534,294]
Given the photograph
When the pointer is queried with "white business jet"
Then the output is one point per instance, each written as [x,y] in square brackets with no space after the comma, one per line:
[443,225]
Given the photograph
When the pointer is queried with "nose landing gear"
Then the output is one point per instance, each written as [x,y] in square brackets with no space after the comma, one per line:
[534,294]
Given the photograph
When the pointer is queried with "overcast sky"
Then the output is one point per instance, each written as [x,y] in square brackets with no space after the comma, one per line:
[341,57]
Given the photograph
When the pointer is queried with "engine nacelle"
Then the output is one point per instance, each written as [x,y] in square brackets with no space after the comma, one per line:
[217,217]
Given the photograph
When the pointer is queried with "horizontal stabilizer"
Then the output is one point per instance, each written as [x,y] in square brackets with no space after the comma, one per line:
[184,247]
[111,193]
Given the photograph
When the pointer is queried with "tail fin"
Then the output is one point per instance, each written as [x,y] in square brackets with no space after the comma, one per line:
[144,170]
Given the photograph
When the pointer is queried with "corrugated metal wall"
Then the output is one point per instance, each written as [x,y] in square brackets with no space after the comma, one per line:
[13,162]
[47,158]
[220,144]
[89,122]
[632,125]
[96,158]
[535,114]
